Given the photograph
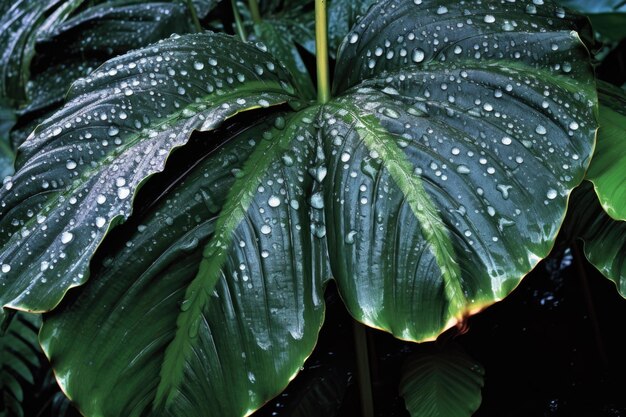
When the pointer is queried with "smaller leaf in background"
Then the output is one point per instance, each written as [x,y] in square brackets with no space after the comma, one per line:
[21,24]
[19,360]
[604,238]
[7,120]
[607,171]
[441,381]
[280,43]
[342,15]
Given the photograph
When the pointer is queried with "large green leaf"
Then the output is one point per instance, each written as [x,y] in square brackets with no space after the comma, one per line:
[19,360]
[441,382]
[78,173]
[608,168]
[604,237]
[438,177]
[250,333]
[454,158]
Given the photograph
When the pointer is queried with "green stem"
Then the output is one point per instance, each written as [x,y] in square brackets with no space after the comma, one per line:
[254,11]
[321,52]
[194,16]
[238,23]
[363,370]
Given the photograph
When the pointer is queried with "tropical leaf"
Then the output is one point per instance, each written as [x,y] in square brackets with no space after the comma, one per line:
[437,177]
[604,237]
[454,155]
[19,359]
[77,175]
[608,168]
[441,381]
[251,333]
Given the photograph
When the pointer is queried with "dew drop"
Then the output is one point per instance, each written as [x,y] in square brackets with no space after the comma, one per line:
[266,229]
[551,194]
[317,201]
[273,201]
[541,129]
[123,192]
[463,169]
[70,164]
[113,131]
[198,65]
[66,237]
[418,55]
[6,268]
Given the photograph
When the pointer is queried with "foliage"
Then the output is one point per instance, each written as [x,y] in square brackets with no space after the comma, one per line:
[441,381]
[202,199]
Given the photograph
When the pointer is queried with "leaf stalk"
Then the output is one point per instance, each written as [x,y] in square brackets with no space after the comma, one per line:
[321,52]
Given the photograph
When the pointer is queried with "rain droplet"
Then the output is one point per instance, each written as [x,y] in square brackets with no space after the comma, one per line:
[266,229]
[551,194]
[317,201]
[123,192]
[113,131]
[463,169]
[66,237]
[198,65]
[541,129]
[6,268]
[418,55]
[70,164]
[489,19]
[273,201]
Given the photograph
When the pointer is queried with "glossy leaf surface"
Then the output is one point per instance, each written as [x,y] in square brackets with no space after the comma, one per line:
[77,175]
[455,155]
[438,176]
[607,171]
[244,339]
[441,382]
